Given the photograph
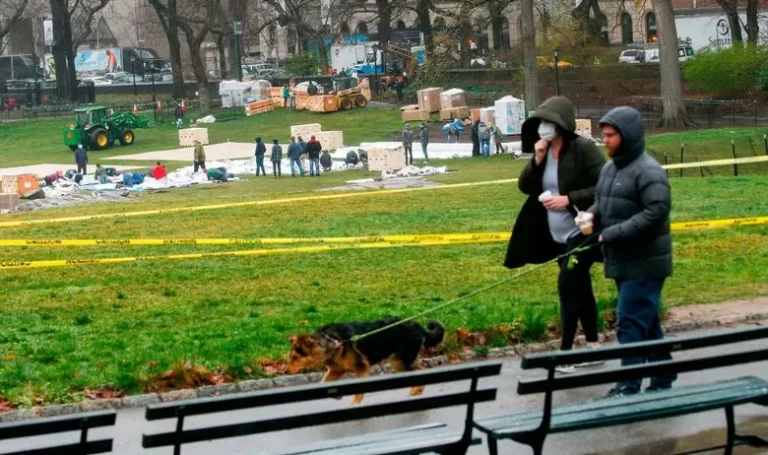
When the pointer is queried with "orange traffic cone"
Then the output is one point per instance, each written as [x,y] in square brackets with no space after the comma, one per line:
[159,105]
[135,108]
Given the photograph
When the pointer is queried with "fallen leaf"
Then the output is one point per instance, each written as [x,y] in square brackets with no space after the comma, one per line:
[77,374]
[153,364]
[247,369]
[9,357]
[102,394]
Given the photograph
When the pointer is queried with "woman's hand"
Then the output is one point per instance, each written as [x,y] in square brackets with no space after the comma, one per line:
[556,202]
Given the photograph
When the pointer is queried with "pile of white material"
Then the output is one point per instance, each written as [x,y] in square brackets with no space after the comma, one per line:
[414,171]
[207,119]
[436,150]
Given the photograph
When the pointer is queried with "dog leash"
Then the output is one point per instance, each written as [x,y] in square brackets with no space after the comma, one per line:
[579,249]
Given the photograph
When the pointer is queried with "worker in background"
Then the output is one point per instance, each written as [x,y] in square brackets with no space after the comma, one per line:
[261,150]
[199,157]
[55,177]
[179,115]
[424,139]
[101,175]
[81,159]
[217,174]
[474,134]
[497,137]
[286,95]
[326,161]
[314,148]
[408,144]
[277,157]
[294,154]
[159,171]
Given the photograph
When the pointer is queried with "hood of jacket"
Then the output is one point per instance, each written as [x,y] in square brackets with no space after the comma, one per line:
[629,123]
[557,110]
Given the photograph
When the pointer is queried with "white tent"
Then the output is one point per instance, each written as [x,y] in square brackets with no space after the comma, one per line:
[510,114]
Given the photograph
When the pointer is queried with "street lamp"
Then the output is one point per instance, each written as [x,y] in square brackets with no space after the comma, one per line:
[556,58]
[133,71]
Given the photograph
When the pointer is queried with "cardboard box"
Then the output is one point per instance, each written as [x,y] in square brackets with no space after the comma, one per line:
[410,107]
[302,101]
[19,184]
[330,140]
[386,159]
[323,103]
[455,113]
[306,131]
[415,116]
[9,201]
[259,107]
[188,136]
[453,98]
[429,99]
[584,127]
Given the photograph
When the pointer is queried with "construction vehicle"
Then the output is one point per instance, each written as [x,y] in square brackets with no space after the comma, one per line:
[97,130]
[345,96]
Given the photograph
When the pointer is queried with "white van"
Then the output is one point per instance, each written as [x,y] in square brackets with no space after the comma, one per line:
[684,53]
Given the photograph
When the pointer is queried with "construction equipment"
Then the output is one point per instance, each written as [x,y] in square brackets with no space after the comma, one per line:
[97,130]
[343,98]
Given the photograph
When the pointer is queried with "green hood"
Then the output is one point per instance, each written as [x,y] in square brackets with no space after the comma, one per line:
[557,110]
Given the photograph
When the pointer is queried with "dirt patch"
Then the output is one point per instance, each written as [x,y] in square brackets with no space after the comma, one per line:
[725,312]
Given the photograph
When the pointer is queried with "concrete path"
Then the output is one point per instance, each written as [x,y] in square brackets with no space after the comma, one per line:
[658,437]
[213,152]
[41,170]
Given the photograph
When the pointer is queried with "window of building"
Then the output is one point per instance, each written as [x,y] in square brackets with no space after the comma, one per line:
[651,33]
[626,29]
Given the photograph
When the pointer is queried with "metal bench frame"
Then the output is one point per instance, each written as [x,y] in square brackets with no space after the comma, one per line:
[53,425]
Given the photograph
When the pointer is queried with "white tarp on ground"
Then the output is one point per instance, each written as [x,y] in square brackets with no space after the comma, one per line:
[436,150]
[414,171]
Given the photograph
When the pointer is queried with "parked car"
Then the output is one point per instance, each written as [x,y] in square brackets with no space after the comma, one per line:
[630,56]
[684,53]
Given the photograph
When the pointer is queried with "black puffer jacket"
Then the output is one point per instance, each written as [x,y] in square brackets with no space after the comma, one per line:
[632,205]
[577,173]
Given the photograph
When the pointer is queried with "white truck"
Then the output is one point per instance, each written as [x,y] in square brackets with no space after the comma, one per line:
[345,56]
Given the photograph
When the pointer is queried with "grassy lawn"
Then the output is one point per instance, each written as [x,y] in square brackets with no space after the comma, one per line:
[92,326]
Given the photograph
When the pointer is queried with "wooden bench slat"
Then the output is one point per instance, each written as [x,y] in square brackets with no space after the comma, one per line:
[392,443]
[640,371]
[315,391]
[632,408]
[320,418]
[364,438]
[92,447]
[552,359]
[57,424]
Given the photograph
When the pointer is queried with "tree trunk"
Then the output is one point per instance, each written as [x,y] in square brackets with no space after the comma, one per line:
[425,24]
[530,73]
[674,113]
[322,52]
[221,50]
[385,22]
[200,73]
[465,53]
[237,11]
[60,15]
[179,89]
[735,24]
[753,27]
[496,14]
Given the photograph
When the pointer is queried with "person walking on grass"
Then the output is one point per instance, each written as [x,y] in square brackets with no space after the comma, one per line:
[179,114]
[632,205]
[408,144]
[277,157]
[199,157]
[313,154]
[294,154]
[424,139]
[559,181]
[497,137]
[81,159]
[261,150]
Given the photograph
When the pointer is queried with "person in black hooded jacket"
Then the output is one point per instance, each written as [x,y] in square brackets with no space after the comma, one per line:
[559,181]
[632,205]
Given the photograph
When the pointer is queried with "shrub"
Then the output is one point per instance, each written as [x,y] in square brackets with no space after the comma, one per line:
[731,73]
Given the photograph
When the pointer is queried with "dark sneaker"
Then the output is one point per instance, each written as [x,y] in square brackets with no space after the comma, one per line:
[620,392]
[657,387]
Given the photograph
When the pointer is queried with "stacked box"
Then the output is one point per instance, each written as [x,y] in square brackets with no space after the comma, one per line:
[8,201]
[330,140]
[487,115]
[584,127]
[429,99]
[410,107]
[276,95]
[188,136]
[453,98]
[302,101]
[8,184]
[259,107]
[455,113]
[386,159]
[305,131]
[323,103]
[415,115]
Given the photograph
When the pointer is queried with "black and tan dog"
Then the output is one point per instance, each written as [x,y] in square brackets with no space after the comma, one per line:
[330,346]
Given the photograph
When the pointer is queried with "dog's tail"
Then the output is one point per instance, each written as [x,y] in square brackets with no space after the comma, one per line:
[433,334]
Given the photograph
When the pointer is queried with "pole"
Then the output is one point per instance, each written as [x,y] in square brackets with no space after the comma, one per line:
[733,152]
[237,27]
[682,157]
[133,71]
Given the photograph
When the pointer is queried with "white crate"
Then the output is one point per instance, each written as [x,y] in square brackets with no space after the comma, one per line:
[188,136]
[305,131]
[330,140]
[386,159]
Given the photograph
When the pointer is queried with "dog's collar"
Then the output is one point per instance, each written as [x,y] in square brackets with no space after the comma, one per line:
[332,342]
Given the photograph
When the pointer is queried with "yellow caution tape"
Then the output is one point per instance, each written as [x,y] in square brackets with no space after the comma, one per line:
[312,198]
[263,252]
[725,162]
[469,237]
[392,239]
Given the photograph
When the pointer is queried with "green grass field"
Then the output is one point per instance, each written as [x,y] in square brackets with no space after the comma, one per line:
[66,329]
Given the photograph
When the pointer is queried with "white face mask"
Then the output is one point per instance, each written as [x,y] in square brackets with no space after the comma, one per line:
[547,131]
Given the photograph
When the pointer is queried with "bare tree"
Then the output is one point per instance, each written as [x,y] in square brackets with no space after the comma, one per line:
[81,15]
[590,23]
[530,72]
[461,27]
[167,14]
[10,12]
[674,113]
[384,26]
[731,9]
[753,28]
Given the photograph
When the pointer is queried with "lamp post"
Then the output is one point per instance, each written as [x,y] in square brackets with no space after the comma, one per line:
[376,68]
[133,71]
[556,58]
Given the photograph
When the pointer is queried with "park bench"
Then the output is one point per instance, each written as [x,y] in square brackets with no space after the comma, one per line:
[532,428]
[429,438]
[54,425]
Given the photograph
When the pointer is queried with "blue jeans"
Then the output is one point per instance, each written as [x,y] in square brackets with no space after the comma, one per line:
[260,165]
[485,147]
[424,149]
[297,162]
[314,166]
[639,320]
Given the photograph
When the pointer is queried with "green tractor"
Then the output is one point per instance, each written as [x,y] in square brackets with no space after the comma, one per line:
[97,130]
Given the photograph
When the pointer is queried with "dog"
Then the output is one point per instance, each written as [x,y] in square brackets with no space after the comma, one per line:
[331,346]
